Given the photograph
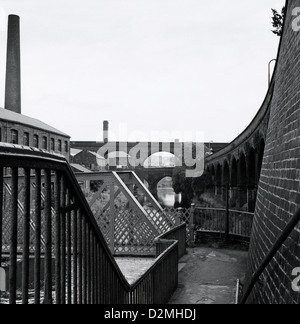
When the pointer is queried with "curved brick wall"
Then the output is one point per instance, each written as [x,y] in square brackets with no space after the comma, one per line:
[279,188]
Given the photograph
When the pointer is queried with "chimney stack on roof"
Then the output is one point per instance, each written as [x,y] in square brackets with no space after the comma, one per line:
[13,66]
[105,131]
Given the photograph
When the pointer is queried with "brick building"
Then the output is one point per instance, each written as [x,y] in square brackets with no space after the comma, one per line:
[19,129]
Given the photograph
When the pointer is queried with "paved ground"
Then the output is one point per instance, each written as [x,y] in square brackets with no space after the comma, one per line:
[208,276]
[134,268]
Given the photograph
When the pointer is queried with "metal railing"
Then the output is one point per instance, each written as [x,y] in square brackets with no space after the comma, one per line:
[214,220]
[128,227]
[229,222]
[178,234]
[269,257]
[75,265]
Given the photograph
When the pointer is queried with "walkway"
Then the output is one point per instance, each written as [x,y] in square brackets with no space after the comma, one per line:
[208,276]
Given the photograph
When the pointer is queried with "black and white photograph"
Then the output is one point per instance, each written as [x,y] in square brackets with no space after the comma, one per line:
[149,155]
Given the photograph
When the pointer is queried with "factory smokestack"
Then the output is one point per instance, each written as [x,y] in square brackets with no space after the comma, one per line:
[13,66]
[105,131]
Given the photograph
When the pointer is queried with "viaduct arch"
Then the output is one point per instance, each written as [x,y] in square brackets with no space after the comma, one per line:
[239,164]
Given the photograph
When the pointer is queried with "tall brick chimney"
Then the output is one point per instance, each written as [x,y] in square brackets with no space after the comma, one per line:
[13,66]
[105,131]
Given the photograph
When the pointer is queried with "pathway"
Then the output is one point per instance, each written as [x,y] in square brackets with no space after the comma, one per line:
[208,276]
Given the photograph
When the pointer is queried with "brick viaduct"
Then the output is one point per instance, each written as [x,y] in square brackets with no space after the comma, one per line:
[266,156]
[239,164]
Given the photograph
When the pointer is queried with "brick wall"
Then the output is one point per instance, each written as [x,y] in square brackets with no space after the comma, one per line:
[279,189]
[6,127]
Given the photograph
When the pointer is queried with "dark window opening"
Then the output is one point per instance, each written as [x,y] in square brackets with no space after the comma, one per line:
[52,144]
[59,145]
[14,137]
[26,139]
[45,143]
[36,141]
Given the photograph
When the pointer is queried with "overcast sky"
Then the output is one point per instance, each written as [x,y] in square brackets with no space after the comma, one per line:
[155,65]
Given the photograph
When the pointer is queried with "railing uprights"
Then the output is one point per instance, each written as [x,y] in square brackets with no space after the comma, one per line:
[13,238]
[48,246]
[75,255]
[57,197]
[38,231]
[69,250]
[80,256]
[26,236]
[1,211]
[85,261]
[74,249]
[63,240]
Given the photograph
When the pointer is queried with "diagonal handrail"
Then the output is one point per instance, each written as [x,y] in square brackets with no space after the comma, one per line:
[136,205]
[146,289]
[137,181]
[276,247]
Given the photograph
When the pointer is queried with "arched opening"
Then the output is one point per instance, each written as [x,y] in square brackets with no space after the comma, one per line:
[234,173]
[165,192]
[242,179]
[218,180]
[242,182]
[118,160]
[234,183]
[226,174]
[225,180]
[261,152]
[252,179]
[161,160]
[213,178]
[212,172]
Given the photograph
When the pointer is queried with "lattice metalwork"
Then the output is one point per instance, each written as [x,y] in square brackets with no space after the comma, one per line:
[161,220]
[130,233]
[181,215]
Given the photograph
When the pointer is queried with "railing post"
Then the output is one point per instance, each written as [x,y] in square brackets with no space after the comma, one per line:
[37,248]
[227,216]
[192,225]
[48,239]
[1,211]
[112,217]
[58,238]
[179,217]
[13,238]
[26,237]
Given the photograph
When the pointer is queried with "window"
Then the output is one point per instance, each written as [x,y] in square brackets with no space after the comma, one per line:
[36,141]
[52,144]
[14,136]
[26,139]
[59,146]
[66,147]
[45,143]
